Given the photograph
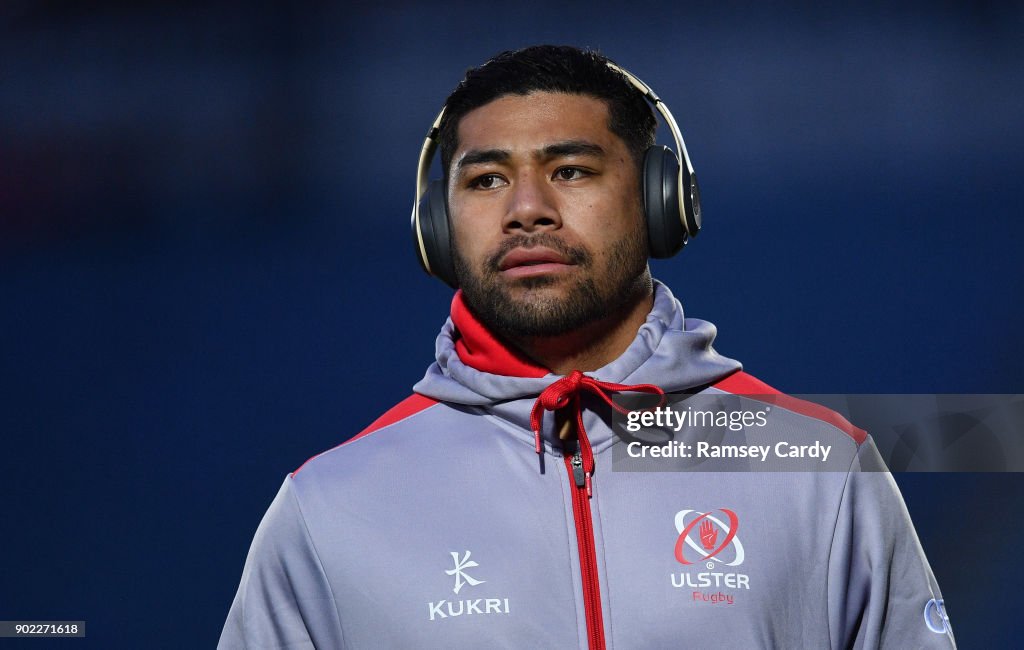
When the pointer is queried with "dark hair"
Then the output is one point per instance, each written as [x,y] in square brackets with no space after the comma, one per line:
[551,68]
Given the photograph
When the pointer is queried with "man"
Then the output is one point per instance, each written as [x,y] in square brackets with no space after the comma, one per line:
[483,511]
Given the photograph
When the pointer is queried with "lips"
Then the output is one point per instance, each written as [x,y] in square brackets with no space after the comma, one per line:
[528,257]
[534,262]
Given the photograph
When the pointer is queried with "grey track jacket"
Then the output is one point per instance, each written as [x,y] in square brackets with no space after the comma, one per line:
[441,527]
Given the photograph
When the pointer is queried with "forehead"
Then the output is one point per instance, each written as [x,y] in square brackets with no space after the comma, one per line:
[525,122]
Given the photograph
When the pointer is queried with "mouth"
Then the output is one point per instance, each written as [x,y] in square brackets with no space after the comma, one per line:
[528,262]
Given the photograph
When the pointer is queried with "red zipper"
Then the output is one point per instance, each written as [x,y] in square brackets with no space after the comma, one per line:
[565,393]
[580,467]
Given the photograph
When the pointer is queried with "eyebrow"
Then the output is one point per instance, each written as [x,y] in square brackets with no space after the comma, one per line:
[572,148]
[480,156]
[556,150]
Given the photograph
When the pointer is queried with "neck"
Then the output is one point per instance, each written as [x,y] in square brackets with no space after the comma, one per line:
[596,344]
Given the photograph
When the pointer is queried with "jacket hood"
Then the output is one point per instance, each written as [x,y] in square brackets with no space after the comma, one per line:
[474,368]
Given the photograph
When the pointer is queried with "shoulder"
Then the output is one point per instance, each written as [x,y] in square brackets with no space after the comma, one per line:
[404,412]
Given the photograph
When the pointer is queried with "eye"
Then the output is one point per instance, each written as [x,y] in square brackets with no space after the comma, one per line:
[487,182]
[570,173]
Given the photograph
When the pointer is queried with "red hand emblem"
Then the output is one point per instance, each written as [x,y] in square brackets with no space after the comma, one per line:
[708,534]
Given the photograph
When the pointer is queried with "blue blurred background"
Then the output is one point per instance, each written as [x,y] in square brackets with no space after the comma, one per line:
[206,274]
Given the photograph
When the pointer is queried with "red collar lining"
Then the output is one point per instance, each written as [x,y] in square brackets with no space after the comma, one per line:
[479,349]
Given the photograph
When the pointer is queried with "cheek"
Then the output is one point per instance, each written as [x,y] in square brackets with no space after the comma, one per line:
[471,223]
[615,218]
[468,238]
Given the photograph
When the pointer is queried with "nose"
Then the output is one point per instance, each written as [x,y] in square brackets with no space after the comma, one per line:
[531,205]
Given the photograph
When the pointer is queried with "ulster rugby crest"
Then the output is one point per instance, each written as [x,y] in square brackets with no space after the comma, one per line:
[707,543]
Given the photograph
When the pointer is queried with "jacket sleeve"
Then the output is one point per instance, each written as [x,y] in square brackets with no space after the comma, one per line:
[284,599]
[881,591]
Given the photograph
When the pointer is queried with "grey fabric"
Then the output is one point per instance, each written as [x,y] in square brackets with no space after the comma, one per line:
[446,530]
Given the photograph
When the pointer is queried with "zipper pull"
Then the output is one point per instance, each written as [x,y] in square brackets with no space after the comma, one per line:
[578,475]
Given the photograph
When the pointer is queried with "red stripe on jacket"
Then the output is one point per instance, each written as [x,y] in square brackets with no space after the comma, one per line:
[741,383]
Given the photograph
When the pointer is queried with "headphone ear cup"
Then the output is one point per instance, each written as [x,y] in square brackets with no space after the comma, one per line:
[691,199]
[665,232]
[434,229]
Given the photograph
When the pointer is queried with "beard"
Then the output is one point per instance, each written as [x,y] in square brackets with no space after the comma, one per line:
[599,289]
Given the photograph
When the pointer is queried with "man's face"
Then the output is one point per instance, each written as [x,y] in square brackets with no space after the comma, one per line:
[546,216]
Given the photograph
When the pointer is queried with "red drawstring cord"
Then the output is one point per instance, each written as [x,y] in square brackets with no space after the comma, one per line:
[567,391]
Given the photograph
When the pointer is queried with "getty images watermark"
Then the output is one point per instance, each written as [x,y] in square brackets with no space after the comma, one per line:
[725,432]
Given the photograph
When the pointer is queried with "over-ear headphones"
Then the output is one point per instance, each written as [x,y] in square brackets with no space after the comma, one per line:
[670,193]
